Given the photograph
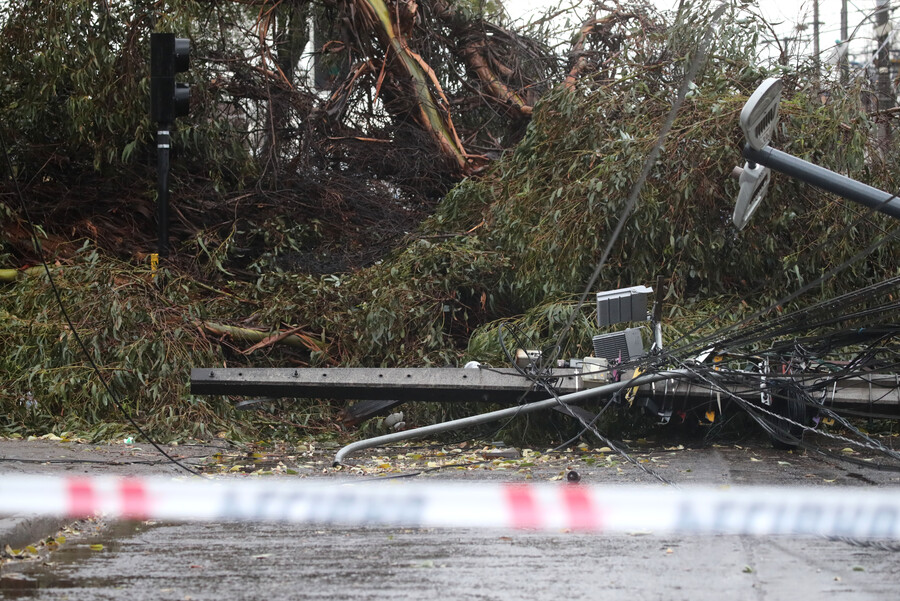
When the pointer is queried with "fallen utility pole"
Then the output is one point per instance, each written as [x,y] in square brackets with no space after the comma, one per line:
[442,384]
[663,391]
[450,384]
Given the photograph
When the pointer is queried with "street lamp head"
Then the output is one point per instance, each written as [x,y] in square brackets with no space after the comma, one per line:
[760,115]
[754,181]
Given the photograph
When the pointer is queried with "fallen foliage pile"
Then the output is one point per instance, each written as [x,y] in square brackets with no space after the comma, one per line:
[519,241]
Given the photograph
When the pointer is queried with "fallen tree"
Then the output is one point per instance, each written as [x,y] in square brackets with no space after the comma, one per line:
[411,107]
[334,223]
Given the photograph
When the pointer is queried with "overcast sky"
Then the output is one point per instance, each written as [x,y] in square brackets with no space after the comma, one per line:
[790,13]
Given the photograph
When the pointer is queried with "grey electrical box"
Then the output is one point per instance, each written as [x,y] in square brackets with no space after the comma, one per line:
[624,304]
[619,346]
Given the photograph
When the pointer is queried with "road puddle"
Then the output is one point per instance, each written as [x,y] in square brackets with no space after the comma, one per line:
[57,568]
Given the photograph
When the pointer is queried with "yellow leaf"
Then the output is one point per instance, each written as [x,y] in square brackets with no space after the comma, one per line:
[710,416]
[97,547]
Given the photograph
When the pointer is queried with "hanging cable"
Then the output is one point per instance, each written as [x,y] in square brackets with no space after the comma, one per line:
[649,163]
[716,338]
[65,313]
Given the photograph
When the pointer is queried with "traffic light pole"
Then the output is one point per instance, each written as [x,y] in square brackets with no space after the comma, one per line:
[162,189]
[168,100]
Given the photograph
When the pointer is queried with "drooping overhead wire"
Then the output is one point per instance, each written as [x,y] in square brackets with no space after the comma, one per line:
[649,163]
[65,313]
[718,338]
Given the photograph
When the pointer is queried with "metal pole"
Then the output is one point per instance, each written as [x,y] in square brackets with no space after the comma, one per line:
[827,180]
[883,64]
[816,50]
[504,413]
[844,49]
[162,189]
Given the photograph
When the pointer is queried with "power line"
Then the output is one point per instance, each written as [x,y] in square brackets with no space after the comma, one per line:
[65,313]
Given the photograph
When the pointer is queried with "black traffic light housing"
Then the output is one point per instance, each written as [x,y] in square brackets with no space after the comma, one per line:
[168,55]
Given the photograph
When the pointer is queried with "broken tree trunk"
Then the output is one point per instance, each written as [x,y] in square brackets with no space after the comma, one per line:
[482,54]
[291,337]
[404,74]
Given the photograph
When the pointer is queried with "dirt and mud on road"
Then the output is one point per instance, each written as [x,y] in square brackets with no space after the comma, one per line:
[149,560]
[750,462]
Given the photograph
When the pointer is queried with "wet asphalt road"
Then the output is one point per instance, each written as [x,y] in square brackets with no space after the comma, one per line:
[244,561]
[266,561]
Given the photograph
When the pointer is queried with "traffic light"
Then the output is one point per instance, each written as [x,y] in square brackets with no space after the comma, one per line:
[168,100]
[168,55]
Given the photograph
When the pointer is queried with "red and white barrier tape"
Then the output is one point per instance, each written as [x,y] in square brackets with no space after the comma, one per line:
[837,511]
